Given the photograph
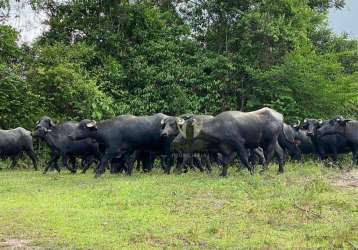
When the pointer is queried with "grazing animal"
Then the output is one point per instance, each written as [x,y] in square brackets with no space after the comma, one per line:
[122,135]
[56,137]
[233,132]
[346,128]
[15,141]
[171,126]
[328,144]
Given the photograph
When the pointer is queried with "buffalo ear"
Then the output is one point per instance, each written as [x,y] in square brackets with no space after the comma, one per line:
[92,125]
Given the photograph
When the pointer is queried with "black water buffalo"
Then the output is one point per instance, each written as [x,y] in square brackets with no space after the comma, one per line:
[327,145]
[56,137]
[346,128]
[170,129]
[123,135]
[15,141]
[233,132]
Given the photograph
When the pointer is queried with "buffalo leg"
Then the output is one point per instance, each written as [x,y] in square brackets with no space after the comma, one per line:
[101,168]
[73,164]
[86,163]
[33,158]
[207,162]
[118,165]
[65,163]
[281,157]
[269,152]
[138,164]
[321,153]
[244,158]
[55,166]
[226,159]
[147,161]
[334,153]
[129,162]
[14,160]
[168,162]
[181,162]
[198,163]
[53,161]
[150,161]
[355,154]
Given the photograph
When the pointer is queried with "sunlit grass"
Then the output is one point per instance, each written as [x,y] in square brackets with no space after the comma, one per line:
[299,209]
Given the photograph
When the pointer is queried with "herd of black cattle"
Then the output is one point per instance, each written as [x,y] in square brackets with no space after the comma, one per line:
[187,141]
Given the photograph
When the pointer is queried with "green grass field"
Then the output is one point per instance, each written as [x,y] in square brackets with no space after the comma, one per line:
[310,206]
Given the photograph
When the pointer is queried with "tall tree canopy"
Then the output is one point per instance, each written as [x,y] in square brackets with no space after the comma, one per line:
[105,58]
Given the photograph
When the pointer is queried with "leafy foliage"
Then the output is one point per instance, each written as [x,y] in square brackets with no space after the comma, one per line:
[105,58]
[58,76]
[17,102]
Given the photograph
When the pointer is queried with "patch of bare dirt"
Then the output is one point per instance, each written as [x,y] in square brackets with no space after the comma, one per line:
[17,244]
[347,179]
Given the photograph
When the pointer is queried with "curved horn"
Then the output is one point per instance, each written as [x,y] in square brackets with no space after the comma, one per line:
[52,123]
[305,120]
[197,127]
[320,121]
[91,124]
[180,122]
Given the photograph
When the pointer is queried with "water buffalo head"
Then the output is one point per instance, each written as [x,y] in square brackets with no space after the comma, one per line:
[334,126]
[85,129]
[311,126]
[171,126]
[43,126]
[191,128]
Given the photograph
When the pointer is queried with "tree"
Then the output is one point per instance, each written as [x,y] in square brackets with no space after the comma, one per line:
[58,75]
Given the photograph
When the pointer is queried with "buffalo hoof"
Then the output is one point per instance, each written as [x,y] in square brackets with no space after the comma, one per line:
[44,172]
[223,175]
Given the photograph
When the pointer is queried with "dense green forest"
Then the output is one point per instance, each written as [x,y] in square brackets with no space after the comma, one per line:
[104,58]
